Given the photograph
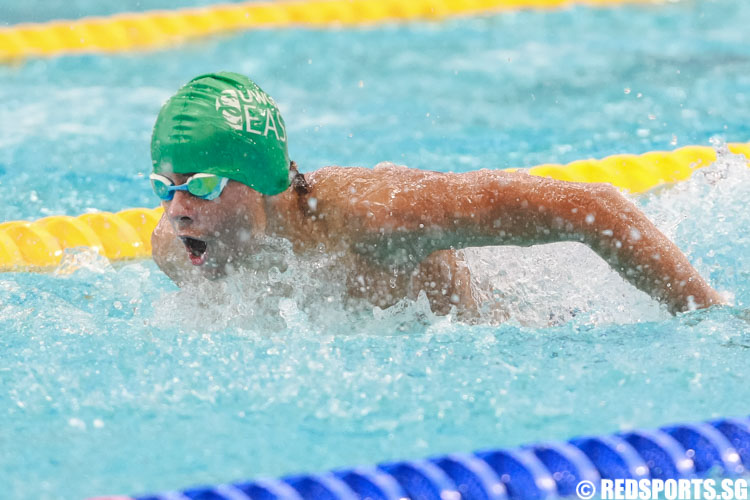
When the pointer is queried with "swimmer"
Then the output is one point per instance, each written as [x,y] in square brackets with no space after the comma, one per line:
[222,171]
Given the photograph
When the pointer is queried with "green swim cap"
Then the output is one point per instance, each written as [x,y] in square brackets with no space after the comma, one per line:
[223,124]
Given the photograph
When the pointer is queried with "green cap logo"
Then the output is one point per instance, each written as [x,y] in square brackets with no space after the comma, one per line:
[223,124]
[254,112]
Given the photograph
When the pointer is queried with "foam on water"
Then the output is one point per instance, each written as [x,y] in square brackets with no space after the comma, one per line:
[710,221]
[308,295]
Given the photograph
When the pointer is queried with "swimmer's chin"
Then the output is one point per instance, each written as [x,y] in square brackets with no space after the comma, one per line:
[213,270]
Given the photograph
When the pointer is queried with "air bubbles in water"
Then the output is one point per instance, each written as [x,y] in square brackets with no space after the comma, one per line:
[82,258]
[707,217]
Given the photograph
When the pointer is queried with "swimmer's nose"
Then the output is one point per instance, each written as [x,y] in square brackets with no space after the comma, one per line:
[181,209]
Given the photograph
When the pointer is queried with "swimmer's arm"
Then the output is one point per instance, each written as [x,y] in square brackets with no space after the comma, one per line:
[634,247]
[166,251]
[502,208]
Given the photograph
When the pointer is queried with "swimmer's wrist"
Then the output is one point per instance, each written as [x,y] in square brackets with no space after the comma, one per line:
[703,298]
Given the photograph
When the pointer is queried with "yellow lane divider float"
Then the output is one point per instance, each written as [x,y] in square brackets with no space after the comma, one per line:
[126,235]
[155,29]
[40,245]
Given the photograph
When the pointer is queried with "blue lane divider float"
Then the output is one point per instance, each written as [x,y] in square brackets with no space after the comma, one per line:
[738,433]
[473,477]
[708,447]
[613,457]
[523,474]
[369,482]
[664,456]
[569,463]
[534,472]
[422,479]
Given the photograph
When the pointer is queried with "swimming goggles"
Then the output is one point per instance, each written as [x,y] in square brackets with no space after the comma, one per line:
[205,186]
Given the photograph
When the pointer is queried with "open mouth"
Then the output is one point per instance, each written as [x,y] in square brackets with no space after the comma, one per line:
[196,250]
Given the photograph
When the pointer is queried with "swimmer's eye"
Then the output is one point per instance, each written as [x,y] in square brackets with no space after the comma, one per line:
[161,186]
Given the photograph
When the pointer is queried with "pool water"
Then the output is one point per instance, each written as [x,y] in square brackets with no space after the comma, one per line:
[114,381]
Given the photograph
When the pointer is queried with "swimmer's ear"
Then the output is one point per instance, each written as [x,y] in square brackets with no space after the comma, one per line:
[297,180]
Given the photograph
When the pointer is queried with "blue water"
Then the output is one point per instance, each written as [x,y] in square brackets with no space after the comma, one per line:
[114,381]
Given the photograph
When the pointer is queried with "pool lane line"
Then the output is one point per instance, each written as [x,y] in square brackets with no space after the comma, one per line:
[540,471]
[165,28]
[40,245]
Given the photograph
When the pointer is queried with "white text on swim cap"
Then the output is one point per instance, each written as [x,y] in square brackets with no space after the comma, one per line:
[251,111]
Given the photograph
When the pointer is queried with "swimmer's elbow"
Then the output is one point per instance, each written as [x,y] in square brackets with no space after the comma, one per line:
[617,205]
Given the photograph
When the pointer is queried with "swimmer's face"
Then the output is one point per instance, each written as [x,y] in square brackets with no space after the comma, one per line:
[217,234]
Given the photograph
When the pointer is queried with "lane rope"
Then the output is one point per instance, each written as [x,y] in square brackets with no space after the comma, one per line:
[576,468]
[126,235]
[163,28]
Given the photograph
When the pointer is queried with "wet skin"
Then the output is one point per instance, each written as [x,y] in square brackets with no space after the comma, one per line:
[396,230]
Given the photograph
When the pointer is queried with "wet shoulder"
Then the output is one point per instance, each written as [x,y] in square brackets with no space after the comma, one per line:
[366,200]
[381,171]
[384,176]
